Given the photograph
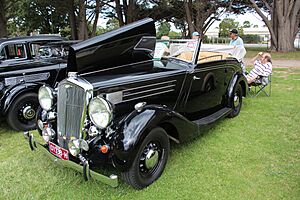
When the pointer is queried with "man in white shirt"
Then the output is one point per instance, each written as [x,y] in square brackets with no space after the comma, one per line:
[262,67]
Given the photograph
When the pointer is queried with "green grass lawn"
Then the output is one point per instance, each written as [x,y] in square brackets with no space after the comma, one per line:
[253,156]
[251,52]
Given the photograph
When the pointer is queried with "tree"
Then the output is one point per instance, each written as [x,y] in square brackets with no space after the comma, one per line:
[26,16]
[200,14]
[282,17]
[226,25]
[8,9]
[75,18]
[3,19]
[70,8]
[112,24]
[246,24]
[82,23]
[163,29]
[174,34]
[128,11]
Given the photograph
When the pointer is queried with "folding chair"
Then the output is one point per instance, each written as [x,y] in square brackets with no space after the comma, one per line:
[261,85]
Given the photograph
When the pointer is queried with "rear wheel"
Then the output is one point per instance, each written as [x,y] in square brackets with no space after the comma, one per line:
[22,113]
[236,101]
[150,161]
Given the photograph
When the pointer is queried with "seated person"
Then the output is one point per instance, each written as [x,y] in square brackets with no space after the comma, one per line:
[262,67]
[162,48]
[188,49]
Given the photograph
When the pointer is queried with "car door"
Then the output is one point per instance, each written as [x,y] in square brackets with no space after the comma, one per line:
[206,89]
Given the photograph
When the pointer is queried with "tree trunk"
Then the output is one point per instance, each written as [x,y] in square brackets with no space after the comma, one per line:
[72,18]
[119,13]
[284,23]
[125,10]
[189,16]
[131,12]
[3,20]
[82,30]
[3,27]
[97,11]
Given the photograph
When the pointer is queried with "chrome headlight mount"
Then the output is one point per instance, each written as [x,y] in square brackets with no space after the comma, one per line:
[100,112]
[48,134]
[76,145]
[46,97]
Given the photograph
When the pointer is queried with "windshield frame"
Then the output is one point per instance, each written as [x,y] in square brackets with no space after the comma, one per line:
[195,55]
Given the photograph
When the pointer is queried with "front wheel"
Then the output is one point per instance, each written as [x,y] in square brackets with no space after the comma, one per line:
[22,113]
[150,160]
[237,102]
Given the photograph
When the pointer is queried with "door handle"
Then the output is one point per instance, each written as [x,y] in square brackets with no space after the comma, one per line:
[196,78]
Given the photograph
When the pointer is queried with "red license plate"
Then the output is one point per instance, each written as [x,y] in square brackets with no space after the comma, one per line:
[58,151]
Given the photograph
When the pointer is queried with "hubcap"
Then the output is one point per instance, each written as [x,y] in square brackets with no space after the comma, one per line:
[28,113]
[236,100]
[151,159]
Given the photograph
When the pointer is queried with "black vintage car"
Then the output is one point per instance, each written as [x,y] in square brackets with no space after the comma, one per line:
[22,72]
[123,108]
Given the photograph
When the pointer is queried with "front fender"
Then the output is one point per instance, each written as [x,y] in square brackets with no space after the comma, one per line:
[10,95]
[131,132]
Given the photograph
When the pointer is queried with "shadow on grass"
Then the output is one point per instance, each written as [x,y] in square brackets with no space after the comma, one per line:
[4,127]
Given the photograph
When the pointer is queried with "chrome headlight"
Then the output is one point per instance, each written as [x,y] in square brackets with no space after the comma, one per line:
[46,97]
[100,112]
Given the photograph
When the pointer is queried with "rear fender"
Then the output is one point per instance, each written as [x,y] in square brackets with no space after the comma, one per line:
[11,94]
[237,79]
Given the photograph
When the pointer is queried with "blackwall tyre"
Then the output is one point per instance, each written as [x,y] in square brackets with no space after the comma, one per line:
[237,101]
[150,160]
[22,112]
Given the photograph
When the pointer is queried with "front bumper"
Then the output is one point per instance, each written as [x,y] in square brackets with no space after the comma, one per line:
[112,180]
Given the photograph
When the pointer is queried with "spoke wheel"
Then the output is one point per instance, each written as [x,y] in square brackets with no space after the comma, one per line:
[150,160]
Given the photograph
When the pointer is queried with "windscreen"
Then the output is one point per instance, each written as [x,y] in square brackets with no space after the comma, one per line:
[180,49]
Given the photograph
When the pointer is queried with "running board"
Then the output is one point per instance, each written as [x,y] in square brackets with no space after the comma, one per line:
[213,117]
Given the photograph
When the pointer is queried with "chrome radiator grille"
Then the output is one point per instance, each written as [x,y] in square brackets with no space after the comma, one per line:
[72,102]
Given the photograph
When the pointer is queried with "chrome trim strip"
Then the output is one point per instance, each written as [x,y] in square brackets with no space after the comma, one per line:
[149,95]
[26,78]
[150,90]
[154,84]
[121,66]
[212,68]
